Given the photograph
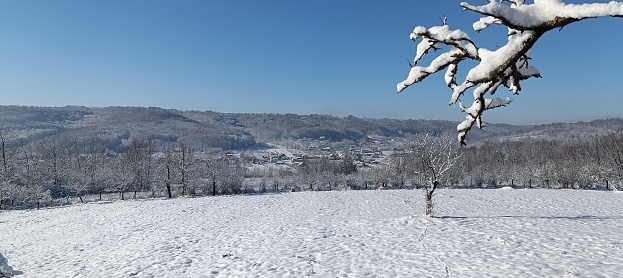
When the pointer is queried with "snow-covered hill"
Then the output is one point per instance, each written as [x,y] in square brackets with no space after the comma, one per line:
[479,233]
[115,126]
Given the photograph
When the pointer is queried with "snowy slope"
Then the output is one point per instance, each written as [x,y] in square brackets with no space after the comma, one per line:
[480,233]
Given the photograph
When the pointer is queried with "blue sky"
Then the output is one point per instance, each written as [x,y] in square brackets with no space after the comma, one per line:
[305,57]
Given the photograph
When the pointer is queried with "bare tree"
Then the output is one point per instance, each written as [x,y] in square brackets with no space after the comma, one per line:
[94,161]
[437,155]
[308,173]
[77,176]
[508,65]
[210,170]
[381,176]
[6,186]
[347,164]
[612,144]
[232,176]
[186,164]
[4,152]
[31,172]
[402,163]
[138,160]
[121,176]
[169,167]
[56,164]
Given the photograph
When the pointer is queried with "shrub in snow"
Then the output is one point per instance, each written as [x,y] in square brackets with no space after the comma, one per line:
[508,65]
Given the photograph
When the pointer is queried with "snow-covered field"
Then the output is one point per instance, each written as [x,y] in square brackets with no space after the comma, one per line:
[479,233]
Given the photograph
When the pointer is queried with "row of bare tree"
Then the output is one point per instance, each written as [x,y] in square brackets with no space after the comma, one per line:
[593,162]
[54,169]
[39,173]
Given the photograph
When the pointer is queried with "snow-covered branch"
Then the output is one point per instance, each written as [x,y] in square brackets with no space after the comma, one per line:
[461,48]
[544,14]
[507,65]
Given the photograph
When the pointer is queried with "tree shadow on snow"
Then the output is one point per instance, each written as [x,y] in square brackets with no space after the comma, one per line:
[578,217]
[6,270]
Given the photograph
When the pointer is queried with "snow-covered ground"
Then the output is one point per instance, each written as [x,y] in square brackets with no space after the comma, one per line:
[479,233]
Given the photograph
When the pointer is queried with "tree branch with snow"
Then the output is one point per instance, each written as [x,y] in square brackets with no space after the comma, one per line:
[506,66]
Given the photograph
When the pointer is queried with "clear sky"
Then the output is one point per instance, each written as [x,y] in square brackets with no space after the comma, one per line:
[283,56]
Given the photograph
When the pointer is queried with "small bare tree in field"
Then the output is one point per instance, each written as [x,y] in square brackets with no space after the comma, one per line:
[437,155]
[506,66]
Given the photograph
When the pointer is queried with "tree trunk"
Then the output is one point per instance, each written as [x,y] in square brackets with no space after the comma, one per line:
[213,186]
[428,211]
[428,198]
[168,181]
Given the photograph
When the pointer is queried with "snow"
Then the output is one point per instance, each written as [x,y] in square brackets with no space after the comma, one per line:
[479,233]
[485,22]
[491,61]
[497,102]
[543,11]
[449,77]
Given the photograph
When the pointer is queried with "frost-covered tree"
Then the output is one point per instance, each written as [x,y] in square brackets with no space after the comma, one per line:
[210,170]
[138,160]
[4,154]
[612,145]
[232,176]
[347,164]
[506,66]
[437,155]
[168,169]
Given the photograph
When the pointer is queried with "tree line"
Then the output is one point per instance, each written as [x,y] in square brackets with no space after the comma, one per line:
[581,163]
[56,169]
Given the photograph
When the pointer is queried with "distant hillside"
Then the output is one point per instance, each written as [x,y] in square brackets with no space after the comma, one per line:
[567,132]
[205,130]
